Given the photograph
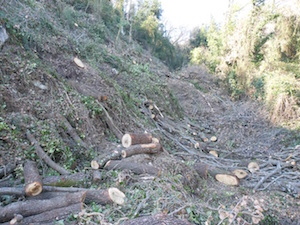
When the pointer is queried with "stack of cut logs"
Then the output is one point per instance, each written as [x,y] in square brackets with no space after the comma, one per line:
[44,204]
[133,144]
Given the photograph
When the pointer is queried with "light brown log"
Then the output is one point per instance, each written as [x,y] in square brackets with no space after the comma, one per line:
[214,153]
[7,169]
[151,148]
[159,219]
[43,156]
[66,180]
[137,168]
[224,177]
[33,207]
[33,181]
[99,162]
[54,215]
[103,196]
[134,139]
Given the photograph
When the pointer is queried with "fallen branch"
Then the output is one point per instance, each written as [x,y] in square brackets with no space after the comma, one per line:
[43,156]
[7,169]
[33,181]
[34,207]
[72,132]
[277,170]
[137,168]
[12,191]
[151,148]
[157,219]
[134,139]
[110,123]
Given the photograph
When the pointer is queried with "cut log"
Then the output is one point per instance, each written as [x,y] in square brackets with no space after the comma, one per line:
[34,207]
[253,167]
[78,62]
[224,177]
[6,170]
[97,176]
[241,174]
[54,215]
[70,180]
[16,220]
[213,139]
[201,169]
[33,181]
[155,140]
[151,148]
[103,197]
[214,153]
[99,162]
[137,168]
[157,219]
[203,137]
[133,139]
[43,156]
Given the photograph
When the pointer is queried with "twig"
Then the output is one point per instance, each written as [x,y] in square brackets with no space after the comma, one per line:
[141,205]
[278,169]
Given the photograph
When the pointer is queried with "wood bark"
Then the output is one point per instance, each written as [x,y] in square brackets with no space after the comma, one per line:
[33,207]
[203,137]
[137,168]
[43,156]
[103,196]
[12,191]
[54,214]
[151,148]
[33,181]
[66,180]
[97,176]
[134,139]
[99,162]
[7,169]
[157,219]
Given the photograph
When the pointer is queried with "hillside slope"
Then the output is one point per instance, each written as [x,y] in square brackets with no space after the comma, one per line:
[42,88]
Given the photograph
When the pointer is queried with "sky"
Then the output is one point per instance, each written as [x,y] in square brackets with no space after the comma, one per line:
[193,13]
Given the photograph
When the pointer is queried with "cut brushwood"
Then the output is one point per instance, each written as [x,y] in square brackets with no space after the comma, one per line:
[43,156]
[137,168]
[33,181]
[156,219]
[151,148]
[133,139]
